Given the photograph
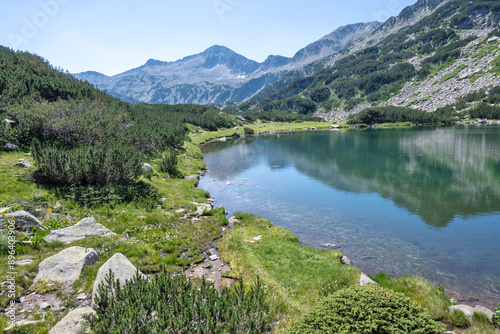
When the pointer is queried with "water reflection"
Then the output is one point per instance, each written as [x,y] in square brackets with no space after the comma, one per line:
[438,174]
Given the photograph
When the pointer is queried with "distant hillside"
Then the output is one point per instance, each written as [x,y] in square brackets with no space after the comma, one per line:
[218,74]
[430,56]
[24,76]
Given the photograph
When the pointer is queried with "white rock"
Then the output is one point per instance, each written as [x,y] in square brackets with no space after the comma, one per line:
[466,309]
[87,227]
[365,280]
[67,265]
[73,322]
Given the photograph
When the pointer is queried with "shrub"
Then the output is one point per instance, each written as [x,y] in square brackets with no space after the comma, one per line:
[248,131]
[174,304]
[99,164]
[367,309]
[168,163]
[458,319]
[4,243]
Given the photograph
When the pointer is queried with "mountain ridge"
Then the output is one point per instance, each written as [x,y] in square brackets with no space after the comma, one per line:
[217,74]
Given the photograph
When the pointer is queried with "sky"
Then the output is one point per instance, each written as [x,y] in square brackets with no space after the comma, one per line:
[112,36]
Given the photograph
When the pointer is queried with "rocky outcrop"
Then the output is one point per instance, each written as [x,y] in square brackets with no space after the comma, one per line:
[87,227]
[469,310]
[66,265]
[122,269]
[23,221]
[73,322]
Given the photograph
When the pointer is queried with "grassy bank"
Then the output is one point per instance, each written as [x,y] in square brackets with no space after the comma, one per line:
[157,235]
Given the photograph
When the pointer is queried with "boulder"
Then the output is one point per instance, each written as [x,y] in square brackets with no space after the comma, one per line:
[23,164]
[87,227]
[466,309]
[73,322]
[482,309]
[121,267]
[23,221]
[236,135]
[365,280]
[21,323]
[345,260]
[147,168]
[66,265]
[10,147]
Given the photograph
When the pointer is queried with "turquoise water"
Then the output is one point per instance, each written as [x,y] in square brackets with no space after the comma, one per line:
[422,201]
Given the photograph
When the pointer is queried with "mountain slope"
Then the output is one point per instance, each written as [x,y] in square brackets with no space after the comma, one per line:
[218,74]
[428,57]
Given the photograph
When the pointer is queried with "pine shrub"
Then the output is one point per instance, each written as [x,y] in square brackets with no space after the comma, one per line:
[173,304]
[367,309]
[99,164]
[168,163]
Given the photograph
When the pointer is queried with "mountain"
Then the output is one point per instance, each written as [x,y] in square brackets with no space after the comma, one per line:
[218,74]
[434,55]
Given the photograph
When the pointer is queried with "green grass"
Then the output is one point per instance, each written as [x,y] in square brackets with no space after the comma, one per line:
[452,74]
[199,137]
[296,277]
[417,101]
[489,49]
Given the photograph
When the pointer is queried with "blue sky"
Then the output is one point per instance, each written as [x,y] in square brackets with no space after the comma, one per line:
[112,36]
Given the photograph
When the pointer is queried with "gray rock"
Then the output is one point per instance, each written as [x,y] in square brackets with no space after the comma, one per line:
[87,227]
[222,139]
[44,305]
[67,265]
[73,322]
[122,268]
[10,147]
[482,309]
[213,257]
[24,262]
[365,280]
[23,164]
[233,220]
[466,309]
[241,118]
[147,168]
[190,177]
[81,296]
[345,260]
[236,135]
[21,323]
[24,221]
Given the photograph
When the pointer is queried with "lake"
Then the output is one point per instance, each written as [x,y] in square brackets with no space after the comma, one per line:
[423,200]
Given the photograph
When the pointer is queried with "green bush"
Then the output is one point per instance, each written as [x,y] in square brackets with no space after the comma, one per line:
[367,309]
[174,304]
[496,317]
[458,319]
[4,243]
[168,163]
[99,164]
[248,131]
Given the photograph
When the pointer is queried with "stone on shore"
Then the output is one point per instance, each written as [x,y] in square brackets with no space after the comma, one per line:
[23,221]
[122,269]
[20,323]
[365,280]
[87,227]
[466,309]
[66,266]
[73,322]
[345,260]
[482,309]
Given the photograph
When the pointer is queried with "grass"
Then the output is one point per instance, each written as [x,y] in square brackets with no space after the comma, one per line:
[417,101]
[200,136]
[452,74]
[296,277]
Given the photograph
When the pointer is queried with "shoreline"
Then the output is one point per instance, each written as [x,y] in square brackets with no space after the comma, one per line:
[460,296]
